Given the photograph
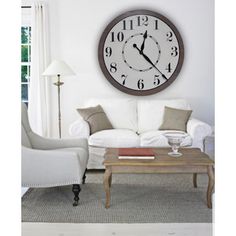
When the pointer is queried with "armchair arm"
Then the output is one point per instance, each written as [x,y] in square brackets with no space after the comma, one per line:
[80,129]
[45,168]
[198,130]
[43,143]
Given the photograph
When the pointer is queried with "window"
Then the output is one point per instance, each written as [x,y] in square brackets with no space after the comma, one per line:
[25,53]
[25,62]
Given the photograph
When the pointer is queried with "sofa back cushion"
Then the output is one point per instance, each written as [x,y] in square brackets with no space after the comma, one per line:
[150,112]
[122,113]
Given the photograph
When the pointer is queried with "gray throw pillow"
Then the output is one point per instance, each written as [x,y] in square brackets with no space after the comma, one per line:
[96,118]
[175,119]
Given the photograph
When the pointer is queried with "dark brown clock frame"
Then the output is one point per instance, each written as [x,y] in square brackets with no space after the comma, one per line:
[101,50]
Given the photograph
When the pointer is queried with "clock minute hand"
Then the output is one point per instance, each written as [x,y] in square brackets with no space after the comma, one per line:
[148,60]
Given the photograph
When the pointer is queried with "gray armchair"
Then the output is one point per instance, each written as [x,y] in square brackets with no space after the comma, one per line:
[52,162]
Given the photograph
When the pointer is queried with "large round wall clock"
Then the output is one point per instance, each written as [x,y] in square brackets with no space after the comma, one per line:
[141,52]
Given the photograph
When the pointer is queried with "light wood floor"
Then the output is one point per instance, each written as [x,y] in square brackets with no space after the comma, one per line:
[56,229]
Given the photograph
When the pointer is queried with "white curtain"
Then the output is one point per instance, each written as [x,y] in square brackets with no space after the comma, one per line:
[39,88]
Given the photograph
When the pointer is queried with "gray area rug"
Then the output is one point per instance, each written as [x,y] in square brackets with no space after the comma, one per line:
[144,198]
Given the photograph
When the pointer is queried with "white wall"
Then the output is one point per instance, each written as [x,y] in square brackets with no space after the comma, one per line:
[76,27]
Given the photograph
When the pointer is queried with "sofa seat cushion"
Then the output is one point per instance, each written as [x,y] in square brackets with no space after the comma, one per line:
[157,139]
[114,138]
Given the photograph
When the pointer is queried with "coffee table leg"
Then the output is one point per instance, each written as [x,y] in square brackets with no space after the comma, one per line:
[106,182]
[110,180]
[210,173]
[195,180]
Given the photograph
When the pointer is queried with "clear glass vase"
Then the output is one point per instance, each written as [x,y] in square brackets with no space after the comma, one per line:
[174,140]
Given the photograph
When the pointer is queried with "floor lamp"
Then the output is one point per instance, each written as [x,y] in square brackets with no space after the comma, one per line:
[58,68]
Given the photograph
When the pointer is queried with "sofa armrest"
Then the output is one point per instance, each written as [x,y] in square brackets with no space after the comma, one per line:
[45,168]
[42,143]
[198,130]
[80,129]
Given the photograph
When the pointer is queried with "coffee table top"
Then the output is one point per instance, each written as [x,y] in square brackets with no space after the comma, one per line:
[191,156]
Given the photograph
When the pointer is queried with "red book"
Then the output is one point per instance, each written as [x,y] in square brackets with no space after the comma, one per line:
[136,152]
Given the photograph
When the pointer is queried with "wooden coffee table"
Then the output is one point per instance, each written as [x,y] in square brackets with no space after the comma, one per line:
[192,161]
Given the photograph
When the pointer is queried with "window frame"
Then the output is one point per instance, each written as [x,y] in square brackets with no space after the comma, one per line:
[26,63]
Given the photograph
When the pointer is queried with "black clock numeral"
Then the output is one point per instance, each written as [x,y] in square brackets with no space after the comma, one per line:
[156,24]
[169,36]
[108,51]
[119,36]
[174,52]
[168,68]
[157,81]
[142,21]
[113,67]
[128,25]
[140,84]
[124,77]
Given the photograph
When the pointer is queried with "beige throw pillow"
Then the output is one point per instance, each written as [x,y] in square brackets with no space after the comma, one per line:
[96,118]
[175,119]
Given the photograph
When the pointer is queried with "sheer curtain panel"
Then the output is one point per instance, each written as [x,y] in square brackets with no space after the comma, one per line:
[39,87]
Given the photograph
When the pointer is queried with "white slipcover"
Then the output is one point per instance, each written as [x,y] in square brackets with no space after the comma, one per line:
[51,162]
[136,124]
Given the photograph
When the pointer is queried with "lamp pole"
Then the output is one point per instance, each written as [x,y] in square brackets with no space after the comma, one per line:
[58,84]
[58,68]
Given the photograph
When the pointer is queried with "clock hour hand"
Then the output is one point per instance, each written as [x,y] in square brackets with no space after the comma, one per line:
[144,38]
[149,60]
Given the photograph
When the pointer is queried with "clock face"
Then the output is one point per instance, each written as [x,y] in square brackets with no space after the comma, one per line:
[141,52]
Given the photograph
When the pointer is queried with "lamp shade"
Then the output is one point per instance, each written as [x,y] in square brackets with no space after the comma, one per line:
[58,67]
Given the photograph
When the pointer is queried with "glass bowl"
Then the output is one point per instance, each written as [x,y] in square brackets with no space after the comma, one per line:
[174,140]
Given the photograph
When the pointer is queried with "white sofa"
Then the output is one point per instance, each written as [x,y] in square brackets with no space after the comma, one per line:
[136,124]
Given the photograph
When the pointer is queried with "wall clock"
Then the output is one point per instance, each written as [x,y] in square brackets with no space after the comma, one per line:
[141,52]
